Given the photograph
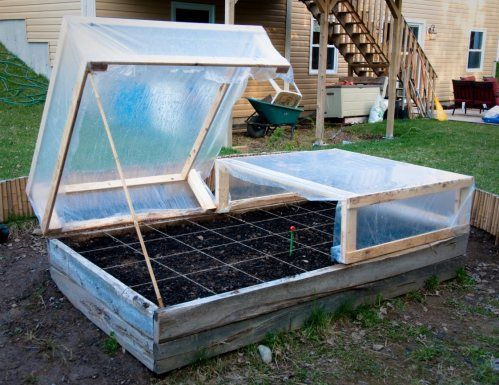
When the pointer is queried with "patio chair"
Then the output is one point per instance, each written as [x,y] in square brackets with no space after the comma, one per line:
[485,97]
[463,93]
[493,80]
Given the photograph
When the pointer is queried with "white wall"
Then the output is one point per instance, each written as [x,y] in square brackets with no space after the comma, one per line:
[35,55]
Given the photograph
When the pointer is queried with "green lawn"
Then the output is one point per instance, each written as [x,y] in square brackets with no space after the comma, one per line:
[18,131]
[22,93]
[466,148]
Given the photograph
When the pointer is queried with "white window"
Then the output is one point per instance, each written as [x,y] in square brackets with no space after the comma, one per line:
[193,12]
[475,50]
[332,52]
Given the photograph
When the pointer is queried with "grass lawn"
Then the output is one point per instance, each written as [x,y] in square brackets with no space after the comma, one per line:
[22,93]
[465,148]
[18,131]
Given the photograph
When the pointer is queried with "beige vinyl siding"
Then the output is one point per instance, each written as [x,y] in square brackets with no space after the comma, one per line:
[448,52]
[43,18]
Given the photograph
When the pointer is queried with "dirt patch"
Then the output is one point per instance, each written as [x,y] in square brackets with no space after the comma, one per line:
[446,335]
[304,137]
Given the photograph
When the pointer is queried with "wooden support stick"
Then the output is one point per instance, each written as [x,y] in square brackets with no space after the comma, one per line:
[125,189]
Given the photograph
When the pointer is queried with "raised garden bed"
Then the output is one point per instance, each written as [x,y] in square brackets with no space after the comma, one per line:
[199,258]
[228,279]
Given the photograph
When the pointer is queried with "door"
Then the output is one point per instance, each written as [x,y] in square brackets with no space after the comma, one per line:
[418,29]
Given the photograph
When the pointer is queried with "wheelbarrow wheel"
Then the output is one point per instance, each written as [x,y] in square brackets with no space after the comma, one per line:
[256,127]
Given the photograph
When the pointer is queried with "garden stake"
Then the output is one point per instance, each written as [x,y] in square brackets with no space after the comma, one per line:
[291,239]
[125,190]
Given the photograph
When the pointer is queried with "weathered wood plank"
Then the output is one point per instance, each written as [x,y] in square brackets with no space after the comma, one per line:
[405,193]
[196,316]
[264,201]
[180,352]
[116,183]
[222,188]
[402,244]
[134,341]
[125,302]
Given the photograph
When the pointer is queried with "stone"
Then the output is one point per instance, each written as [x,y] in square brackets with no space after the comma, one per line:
[265,353]
[378,347]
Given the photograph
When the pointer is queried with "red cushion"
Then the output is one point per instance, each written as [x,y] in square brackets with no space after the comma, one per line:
[471,77]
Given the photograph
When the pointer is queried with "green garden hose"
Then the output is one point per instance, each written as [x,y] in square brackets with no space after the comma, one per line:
[19,85]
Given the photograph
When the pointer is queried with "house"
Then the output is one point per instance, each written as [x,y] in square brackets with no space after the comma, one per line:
[459,37]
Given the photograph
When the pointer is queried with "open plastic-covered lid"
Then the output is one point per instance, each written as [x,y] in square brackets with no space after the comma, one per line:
[161,94]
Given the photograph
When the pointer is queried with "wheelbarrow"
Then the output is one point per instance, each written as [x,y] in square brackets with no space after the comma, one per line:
[281,110]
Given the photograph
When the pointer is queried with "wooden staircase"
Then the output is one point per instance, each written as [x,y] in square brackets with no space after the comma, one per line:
[361,30]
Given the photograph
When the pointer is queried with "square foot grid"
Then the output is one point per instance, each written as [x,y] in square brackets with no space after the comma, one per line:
[199,258]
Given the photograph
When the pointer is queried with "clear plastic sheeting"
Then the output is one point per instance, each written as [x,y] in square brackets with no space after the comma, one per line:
[343,176]
[159,85]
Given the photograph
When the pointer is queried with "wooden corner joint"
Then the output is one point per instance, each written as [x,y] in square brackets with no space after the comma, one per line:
[200,190]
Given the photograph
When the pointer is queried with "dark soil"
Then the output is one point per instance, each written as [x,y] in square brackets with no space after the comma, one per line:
[447,336]
[216,256]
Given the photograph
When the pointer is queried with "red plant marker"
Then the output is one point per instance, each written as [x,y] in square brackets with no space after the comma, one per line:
[292,230]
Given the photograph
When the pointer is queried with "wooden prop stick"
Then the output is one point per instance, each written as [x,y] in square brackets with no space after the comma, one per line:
[125,189]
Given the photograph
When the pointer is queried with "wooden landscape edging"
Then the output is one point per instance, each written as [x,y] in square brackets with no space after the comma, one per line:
[14,202]
[485,212]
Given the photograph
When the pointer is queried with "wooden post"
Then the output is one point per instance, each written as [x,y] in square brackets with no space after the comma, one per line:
[229,19]
[221,188]
[394,67]
[325,7]
[348,231]
[125,189]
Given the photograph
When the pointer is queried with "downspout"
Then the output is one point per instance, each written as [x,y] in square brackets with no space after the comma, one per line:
[287,36]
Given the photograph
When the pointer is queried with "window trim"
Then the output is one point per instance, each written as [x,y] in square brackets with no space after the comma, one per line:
[311,45]
[193,6]
[481,50]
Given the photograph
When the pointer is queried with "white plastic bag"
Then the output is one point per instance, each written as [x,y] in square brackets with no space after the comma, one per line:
[377,110]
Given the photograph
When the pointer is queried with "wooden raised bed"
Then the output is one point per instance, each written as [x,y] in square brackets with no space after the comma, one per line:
[173,336]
